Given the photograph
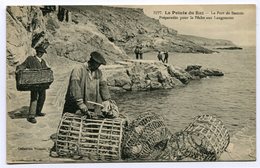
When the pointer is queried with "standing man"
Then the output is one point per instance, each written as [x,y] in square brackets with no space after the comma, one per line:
[166,55]
[38,94]
[141,52]
[160,56]
[137,51]
[87,85]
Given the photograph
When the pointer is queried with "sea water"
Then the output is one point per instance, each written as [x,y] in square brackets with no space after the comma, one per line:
[231,98]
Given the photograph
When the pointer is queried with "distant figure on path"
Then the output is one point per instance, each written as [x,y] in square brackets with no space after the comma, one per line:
[141,52]
[160,56]
[137,50]
[166,55]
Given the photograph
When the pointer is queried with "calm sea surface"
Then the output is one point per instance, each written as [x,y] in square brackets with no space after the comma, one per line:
[232,98]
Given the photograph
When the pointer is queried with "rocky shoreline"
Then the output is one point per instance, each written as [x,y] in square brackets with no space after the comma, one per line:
[134,75]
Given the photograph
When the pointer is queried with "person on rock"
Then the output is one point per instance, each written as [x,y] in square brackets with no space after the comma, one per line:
[38,94]
[141,52]
[87,84]
[160,56]
[166,55]
[137,51]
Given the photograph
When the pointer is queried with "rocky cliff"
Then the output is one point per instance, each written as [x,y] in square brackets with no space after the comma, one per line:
[128,27]
[19,34]
[72,32]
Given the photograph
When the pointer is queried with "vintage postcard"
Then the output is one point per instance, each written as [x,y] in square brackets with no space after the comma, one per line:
[130,83]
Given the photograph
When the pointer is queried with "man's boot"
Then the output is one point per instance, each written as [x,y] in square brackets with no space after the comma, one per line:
[31,119]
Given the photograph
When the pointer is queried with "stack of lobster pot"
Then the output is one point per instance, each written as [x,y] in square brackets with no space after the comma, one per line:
[145,137]
[205,139]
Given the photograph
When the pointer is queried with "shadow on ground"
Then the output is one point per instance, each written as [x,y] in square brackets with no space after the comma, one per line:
[19,113]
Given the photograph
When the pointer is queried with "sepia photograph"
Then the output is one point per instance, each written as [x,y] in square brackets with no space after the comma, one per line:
[130,83]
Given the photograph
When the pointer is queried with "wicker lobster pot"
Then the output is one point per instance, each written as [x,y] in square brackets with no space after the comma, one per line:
[204,139]
[29,79]
[98,139]
[145,137]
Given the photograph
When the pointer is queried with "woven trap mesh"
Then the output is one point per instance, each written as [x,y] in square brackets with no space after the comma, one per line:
[204,139]
[145,137]
[98,139]
[30,79]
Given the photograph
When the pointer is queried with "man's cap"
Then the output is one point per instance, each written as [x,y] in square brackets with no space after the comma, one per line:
[41,49]
[96,56]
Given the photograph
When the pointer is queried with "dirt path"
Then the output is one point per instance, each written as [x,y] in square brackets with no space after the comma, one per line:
[28,142]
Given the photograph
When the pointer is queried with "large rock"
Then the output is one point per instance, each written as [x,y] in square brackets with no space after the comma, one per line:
[212,72]
[77,41]
[150,74]
[197,73]
[134,75]
[139,75]
[117,77]
[22,23]
[26,29]
[180,74]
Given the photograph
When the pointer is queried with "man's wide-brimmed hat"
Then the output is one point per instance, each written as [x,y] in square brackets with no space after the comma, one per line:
[41,49]
[99,58]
